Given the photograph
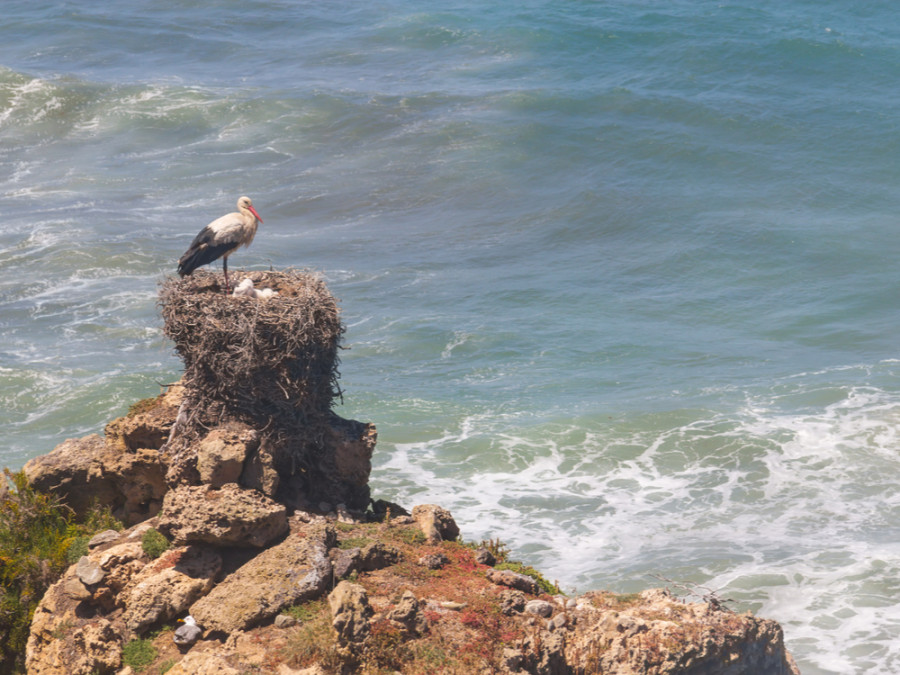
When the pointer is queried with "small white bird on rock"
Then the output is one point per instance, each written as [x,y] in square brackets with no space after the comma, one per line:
[187,634]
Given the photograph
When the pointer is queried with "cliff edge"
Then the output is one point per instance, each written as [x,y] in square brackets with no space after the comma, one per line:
[249,518]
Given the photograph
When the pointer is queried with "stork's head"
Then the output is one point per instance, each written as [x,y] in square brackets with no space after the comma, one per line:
[244,204]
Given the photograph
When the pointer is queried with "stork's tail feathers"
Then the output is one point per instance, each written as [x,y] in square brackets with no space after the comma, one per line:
[189,262]
[203,254]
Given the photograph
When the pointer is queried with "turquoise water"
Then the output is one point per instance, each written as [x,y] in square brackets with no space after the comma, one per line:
[618,279]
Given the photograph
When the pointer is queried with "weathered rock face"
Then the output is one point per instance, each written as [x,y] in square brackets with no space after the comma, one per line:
[462,612]
[221,454]
[659,635]
[205,663]
[149,423]
[123,470]
[297,569]
[92,470]
[353,443]
[89,572]
[346,562]
[351,611]
[408,616]
[436,522]
[76,628]
[57,648]
[376,556]
[117,593]
[229,516]
[164,589]
[260,473]
[118,472]
[74,471]
[514,580]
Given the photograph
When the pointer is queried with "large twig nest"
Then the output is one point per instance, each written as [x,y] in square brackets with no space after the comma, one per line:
[264,371]
[257,357]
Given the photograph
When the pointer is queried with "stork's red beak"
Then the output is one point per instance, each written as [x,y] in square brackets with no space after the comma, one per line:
[253,211]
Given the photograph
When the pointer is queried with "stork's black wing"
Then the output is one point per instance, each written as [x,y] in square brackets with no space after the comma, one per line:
[203,250]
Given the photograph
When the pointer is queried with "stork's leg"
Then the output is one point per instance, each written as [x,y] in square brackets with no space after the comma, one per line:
[225,269]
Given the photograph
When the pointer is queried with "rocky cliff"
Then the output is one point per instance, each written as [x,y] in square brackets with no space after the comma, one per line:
[248,511]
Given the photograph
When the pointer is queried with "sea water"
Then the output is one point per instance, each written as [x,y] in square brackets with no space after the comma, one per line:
[619,279]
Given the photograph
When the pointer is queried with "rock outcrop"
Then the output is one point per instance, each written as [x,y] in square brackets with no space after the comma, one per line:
[436,522]
[294,571]
[277,554]
[229,515]
[221,454]
[351,612]
[460,615]
[166,588]
[117,470]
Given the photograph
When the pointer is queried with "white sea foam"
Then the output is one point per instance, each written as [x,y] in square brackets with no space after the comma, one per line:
[22,170]
[459,339]
[22,96]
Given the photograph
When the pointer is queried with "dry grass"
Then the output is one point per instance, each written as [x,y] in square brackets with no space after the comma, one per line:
[314,642]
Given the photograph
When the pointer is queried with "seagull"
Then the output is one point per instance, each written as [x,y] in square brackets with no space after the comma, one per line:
[220,238]
[187,634]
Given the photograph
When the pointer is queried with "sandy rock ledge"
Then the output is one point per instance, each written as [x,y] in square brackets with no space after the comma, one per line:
[396,616]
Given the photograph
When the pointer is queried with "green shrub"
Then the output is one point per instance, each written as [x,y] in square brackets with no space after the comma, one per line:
[306,611]
[154,543]
[34,539]
[412,536]
[315,642]
[99,519]
[139,654]
[496,547]
[501,552]
[354,542]
[39,538]
[77,548]
[543,584]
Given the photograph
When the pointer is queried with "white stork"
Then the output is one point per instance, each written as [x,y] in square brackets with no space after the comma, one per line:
[220,238]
